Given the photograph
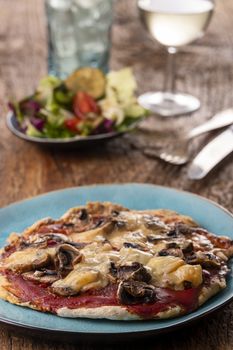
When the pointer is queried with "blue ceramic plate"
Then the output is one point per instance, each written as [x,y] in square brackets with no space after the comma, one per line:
[18,216]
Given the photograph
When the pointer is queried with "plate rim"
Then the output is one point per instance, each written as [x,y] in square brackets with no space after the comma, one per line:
[100,334]
[71,140]
[166,328]
[21,201]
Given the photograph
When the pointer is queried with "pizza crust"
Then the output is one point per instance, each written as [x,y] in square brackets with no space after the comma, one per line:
[5,294]
[116,313]
[170,216]
[208,292]
[45,221]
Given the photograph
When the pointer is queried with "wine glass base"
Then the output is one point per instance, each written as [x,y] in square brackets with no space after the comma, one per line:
[169,105]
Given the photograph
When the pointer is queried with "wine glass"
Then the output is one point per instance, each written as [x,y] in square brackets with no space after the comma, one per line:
[173,23]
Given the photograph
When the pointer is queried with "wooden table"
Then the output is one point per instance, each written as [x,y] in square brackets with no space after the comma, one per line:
[205,69]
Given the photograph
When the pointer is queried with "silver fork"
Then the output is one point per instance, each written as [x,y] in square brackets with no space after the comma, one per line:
[178,153]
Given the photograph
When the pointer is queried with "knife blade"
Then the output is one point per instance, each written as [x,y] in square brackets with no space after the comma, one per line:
[212,154]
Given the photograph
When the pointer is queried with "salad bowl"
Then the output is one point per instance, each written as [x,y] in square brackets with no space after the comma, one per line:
[85,109]
[67,143]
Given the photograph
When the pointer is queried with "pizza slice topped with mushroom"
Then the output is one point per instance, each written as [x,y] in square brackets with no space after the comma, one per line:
[105,261]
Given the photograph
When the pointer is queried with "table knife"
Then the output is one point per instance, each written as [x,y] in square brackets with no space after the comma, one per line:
[212,154]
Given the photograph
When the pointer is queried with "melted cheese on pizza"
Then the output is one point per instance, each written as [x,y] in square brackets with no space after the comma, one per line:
[29,258]
[170,271]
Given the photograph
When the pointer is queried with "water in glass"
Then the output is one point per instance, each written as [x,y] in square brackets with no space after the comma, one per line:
[79,34]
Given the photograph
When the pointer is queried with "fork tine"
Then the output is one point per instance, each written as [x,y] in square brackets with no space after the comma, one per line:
[169,158]
[173,159]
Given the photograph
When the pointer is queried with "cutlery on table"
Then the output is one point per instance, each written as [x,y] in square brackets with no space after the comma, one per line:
[178,153]
[211,155]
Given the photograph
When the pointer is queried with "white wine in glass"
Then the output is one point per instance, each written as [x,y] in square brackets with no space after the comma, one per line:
[173,23]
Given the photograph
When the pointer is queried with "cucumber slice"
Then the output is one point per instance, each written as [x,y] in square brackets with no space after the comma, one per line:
[87,79]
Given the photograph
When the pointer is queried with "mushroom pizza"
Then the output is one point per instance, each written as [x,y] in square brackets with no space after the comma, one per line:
[105,261]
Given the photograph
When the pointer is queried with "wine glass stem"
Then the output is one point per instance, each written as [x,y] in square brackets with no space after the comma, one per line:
[169,83]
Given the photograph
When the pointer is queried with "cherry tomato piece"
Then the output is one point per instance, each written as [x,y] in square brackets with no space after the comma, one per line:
[84,104]
[72,124]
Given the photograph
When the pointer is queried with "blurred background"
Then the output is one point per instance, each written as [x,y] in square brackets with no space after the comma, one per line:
[204,69]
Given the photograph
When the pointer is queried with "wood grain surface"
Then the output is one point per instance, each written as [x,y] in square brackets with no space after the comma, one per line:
[205,69]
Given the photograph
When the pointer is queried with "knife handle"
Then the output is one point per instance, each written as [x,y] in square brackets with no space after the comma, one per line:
[212,154]
[221,119]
